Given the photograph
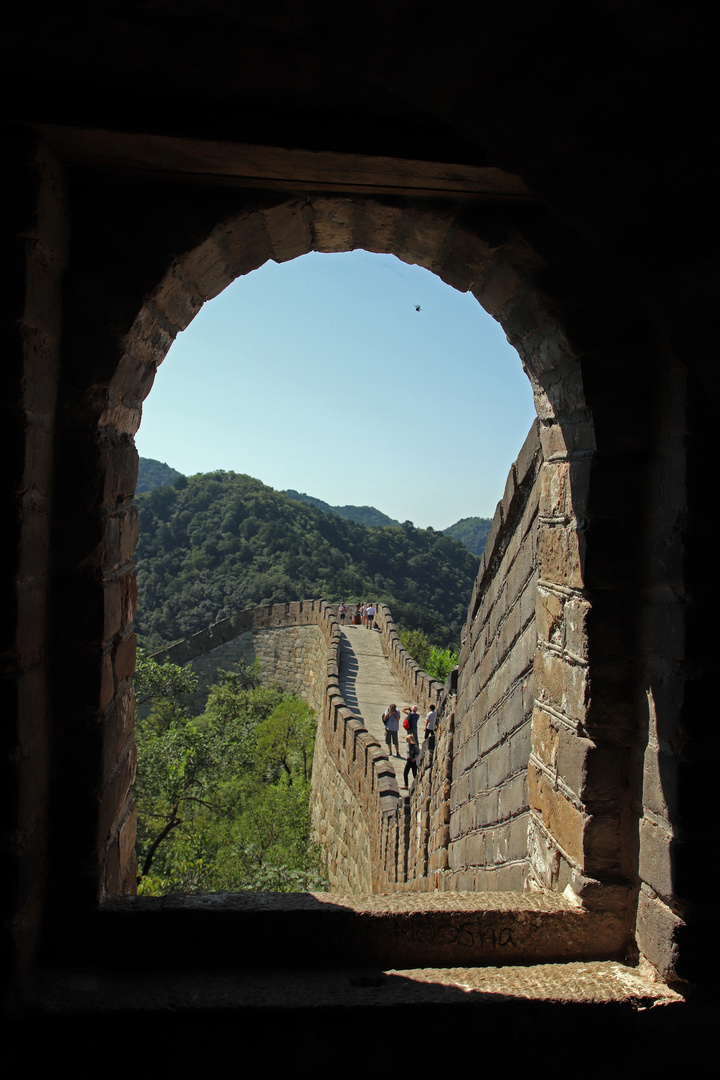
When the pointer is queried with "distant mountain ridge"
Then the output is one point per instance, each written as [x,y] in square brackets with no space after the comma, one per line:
[215,543]
[471,532]
[154,474]
[363,515]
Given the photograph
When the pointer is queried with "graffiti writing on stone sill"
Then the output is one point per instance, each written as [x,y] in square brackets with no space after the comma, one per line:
[491,939]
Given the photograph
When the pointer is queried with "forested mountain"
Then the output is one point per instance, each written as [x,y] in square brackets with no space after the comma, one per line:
[363,515]
[153,474]
[215,543]
[472,532]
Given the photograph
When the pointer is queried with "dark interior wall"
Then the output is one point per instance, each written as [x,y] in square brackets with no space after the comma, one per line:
[605,115]
[36,249]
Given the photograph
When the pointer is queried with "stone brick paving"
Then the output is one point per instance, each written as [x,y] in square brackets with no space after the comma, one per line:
[368,685]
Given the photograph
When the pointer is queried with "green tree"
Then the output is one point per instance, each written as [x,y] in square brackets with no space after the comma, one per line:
[286,740]
[166,682]
[224,798]
[433,660]
[417,644]
[440,663]
[174,768]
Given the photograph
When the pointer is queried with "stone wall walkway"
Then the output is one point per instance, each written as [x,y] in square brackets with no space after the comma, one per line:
[368,685]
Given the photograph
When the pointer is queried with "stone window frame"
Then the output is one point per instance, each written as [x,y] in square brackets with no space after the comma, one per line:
[503,277]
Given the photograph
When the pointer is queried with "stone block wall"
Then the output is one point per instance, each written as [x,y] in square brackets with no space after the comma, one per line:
[465,825]
[489,805]
[36,248]
[339,823]
[353,788]
[285,638]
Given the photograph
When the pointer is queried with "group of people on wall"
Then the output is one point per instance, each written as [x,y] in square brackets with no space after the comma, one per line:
[364,614]
[391,720]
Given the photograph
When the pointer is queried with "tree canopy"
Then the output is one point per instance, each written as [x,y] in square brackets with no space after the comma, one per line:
[472,532]
[363,515]
[153,474]
[433,660]
[213,544]
[224,798]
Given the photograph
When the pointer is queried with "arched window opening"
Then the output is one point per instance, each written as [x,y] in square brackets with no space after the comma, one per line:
[558,837]
[319,376]
[354,378]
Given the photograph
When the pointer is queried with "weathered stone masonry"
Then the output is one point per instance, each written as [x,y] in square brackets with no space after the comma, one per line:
[559,170]
[465,825]
[287,640]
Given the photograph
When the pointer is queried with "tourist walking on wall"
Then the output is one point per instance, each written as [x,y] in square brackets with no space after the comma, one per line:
[391,720]
[411,722]
[342,612]
[411,762]
[369,616]
[431,722]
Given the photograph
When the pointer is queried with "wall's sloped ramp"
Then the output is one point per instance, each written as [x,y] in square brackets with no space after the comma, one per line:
[369,684]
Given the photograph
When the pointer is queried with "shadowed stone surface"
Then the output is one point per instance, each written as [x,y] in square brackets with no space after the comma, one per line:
[604,279]
[386,930]
[589,982]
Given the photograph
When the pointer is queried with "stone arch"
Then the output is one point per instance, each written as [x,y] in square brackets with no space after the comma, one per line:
[624,258]
[503,270]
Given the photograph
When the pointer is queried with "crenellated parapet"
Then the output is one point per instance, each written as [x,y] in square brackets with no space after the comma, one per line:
[290,641]
[420,687]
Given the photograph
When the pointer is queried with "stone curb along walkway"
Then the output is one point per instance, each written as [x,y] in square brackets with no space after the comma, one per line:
[368,685]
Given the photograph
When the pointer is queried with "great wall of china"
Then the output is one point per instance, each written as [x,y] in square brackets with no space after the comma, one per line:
[469,822]
[553,164]
[481,816]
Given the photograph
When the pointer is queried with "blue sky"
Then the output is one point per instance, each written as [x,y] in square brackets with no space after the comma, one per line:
[320,375]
